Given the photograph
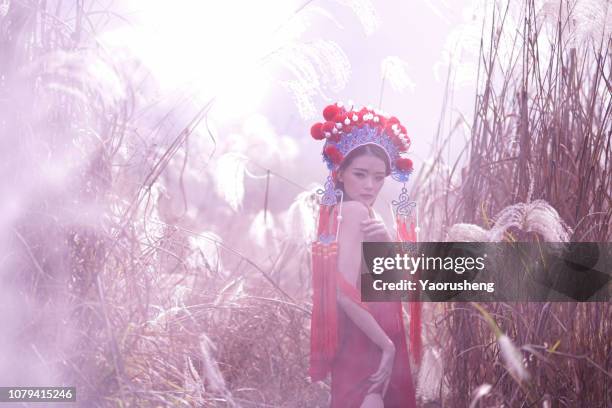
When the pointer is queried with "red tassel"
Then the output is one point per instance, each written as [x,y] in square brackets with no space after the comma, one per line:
[323,220]
[412,236]
[324,322]
[416,344]
[316,369]
[403,229]
[331,318]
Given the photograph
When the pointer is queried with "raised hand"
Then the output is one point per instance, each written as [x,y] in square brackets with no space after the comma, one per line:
[374,230]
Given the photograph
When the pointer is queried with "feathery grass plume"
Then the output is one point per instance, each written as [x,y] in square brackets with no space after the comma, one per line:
[480,392]
[365,12]
[463,44]
[586,20]
[443,11]
[300,219]
[229,178]
[192,382]
[161,320]
[467,233]
[212,376]
[205,251]
[395,71]
[227,298]
[87,69]
[262,231]
[537,216]
[317,67]
[546,401]
[5,6]
[512,358]
[231,292]
[430,377]
[291,267]
[172,290]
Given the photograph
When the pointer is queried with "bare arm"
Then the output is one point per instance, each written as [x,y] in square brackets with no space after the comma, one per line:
[349,263]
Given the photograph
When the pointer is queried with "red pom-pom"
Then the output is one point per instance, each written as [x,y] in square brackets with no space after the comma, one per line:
[330,112]
[404,164]
[335,137]
[359,114]
[339,118]
[328,126]
[392,121]
[396,141]
[407,143]
[388,130]
[333,154]
[316,132]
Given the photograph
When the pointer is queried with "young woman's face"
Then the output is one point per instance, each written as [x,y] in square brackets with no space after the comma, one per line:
[363,178]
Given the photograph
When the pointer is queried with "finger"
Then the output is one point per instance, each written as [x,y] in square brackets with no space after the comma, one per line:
[373,228]
[386,386]
[376,377]
[368,232]
[380,375]
[369,229]
[375,386]
[374,236]
[367,223]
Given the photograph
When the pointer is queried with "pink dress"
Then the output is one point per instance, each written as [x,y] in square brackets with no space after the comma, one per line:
[358,358]
[354,358]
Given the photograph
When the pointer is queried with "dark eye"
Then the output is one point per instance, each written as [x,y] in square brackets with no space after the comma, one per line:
[380,178]
[359,175]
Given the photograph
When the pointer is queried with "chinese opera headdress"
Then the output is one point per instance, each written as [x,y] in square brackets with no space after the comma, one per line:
[346,128]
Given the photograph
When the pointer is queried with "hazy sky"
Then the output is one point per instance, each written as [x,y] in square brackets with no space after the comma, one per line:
[333,49]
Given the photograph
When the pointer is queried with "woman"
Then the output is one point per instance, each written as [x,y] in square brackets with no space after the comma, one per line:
[362,345]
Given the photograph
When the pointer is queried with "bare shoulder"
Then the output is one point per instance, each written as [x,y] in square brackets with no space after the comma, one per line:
[354,212]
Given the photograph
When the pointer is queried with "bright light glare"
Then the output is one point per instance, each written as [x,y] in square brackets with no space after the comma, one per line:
[204,46]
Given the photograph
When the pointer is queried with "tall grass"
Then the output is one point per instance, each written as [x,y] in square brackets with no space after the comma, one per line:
[540,137]
[119,291]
